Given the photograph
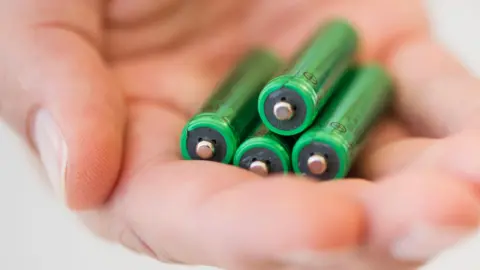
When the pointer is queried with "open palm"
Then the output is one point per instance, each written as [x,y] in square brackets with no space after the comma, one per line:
[115,83]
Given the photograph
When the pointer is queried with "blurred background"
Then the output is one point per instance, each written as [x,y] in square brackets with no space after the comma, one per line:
[37,233]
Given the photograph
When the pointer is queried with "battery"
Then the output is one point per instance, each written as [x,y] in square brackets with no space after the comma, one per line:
[230,114]
[265,153]
[326,150]
[290,102]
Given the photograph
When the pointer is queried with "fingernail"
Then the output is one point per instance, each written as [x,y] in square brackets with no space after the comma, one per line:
[423,242]
[52,149]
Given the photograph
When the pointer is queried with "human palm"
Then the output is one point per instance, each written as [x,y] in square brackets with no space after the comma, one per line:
[115,84]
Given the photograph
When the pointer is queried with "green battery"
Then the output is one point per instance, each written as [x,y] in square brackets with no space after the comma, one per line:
[230,114]
[327,149]
[265,153]
[290,103]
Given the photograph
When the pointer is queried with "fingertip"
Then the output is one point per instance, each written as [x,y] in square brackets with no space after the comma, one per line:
[456,154]
[422,66]
[410,211]
[95,158]
[94,172]
[267,221]
[79,136]
[82,160]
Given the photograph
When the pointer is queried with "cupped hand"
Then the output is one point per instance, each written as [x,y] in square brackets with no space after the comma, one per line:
[102,89]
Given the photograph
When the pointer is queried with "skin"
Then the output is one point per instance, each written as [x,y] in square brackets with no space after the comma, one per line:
[132,72]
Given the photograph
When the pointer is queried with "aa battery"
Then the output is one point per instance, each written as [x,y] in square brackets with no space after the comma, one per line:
[326,150]
[289,103]
[265,153]
[230,114]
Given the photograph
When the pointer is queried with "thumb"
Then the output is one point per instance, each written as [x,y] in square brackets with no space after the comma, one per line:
[58,94]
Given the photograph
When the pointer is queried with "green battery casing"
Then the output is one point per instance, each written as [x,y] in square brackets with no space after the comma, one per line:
[265,146]
[230,114]
[310,79]
[338,134]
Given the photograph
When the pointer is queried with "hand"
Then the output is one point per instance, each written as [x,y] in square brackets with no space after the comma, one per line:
[103,89]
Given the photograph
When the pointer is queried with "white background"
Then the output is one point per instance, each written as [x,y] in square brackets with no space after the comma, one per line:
[37,234]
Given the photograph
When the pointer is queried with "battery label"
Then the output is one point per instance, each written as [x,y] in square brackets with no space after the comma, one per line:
[353,110]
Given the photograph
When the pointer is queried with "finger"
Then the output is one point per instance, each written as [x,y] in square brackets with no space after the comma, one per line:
[456,155]
[412,217]
[436,95]
[58,92]
[433,203]
[418,214]
[217,222]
